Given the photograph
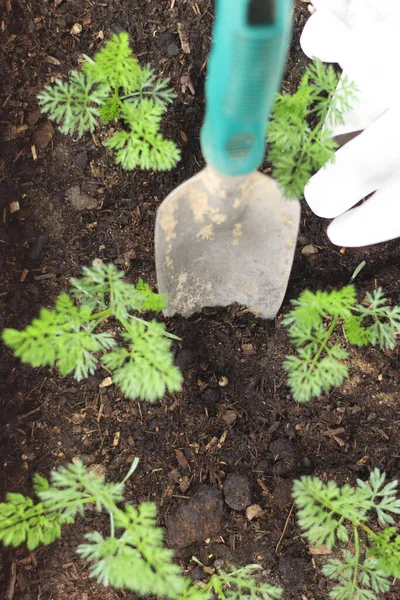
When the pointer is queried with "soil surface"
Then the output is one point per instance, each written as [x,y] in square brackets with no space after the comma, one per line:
[234,416]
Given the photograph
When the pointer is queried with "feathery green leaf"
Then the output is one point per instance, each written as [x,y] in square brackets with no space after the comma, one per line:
[146,369]
[74,104]
[299,146]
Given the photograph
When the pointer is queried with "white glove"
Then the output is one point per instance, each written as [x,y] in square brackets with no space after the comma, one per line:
[363,37]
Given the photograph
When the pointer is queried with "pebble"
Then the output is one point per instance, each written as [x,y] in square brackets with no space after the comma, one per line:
[223,381]
[76,29]
[237,491]
[196,519]
[248,349]
[107,381]
[97,469]
[79,199]
[228,417]
[253,511]
[209,399]
[43,135]
[284,455]
[309,250]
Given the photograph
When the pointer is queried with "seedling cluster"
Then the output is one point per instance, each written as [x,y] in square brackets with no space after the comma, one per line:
[113,88]
[337,516]
[73,335]
[317,365]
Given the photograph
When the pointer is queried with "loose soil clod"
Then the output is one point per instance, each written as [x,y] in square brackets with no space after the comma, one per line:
[197,519]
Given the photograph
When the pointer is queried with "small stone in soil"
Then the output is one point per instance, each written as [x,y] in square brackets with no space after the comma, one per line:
[197,574]
[309,250]
[237,491]
[248,349]
[76,29]
[43,135]
[228,417]
[197,519]
[79,199]
[253,511]
[97,469]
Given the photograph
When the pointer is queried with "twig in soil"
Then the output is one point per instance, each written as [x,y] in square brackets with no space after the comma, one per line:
[284,529]
[28,414]
[11,583]
[263,487]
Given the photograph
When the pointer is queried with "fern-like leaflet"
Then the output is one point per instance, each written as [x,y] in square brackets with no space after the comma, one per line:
[318,366]
[141,143]
[113,87]
[329,514]
[74,104]
[386,319]
[299,143]
[241,584]
[137,555]
[68,336]
[114,65]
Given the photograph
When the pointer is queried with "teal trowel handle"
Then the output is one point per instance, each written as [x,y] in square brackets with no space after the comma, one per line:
[245,69]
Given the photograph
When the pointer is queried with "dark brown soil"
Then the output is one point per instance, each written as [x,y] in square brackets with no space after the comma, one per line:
[47,420]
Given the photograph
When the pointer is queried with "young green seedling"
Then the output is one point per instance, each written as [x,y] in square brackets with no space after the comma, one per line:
[333,516]
[71,335]
[114,88]
[240,584]
[300,140]
[135,558]
[317,365]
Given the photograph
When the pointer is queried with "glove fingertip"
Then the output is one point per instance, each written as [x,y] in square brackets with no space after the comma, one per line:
[318,198]
[320,37]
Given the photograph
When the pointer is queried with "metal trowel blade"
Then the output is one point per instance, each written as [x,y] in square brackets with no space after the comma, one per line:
[222,239]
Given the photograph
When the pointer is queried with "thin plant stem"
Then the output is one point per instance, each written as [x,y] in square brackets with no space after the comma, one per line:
[325,341]
[356,556]
[112,524]
[101,315]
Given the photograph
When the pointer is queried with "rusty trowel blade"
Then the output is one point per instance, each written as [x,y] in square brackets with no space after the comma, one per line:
[221,240]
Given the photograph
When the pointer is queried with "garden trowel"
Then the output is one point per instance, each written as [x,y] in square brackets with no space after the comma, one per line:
[227,234]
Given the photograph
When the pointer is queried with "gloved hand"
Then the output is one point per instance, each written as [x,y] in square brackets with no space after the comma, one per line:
[362,36]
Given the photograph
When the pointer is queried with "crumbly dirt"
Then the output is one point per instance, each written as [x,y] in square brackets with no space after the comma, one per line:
[250,425]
